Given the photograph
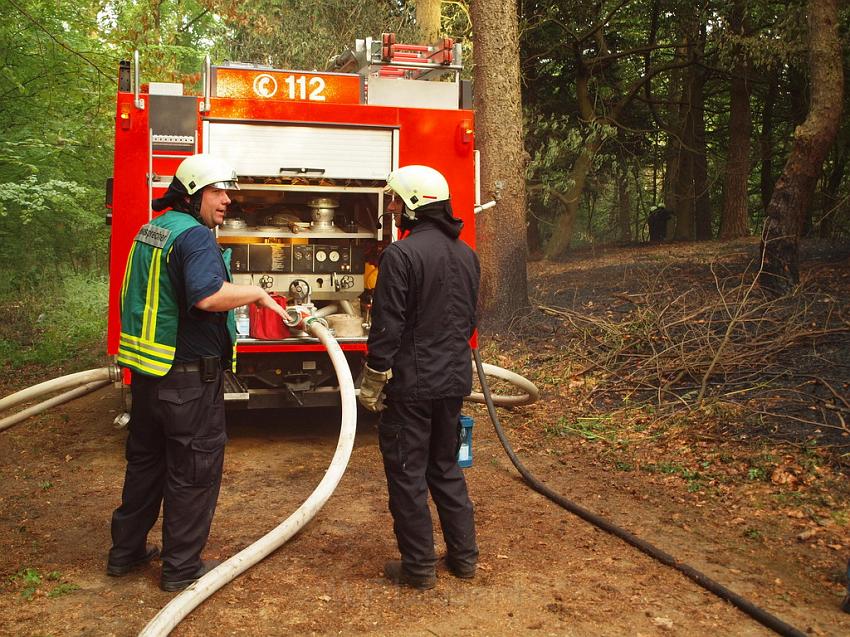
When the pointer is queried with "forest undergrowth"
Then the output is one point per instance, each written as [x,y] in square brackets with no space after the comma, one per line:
[669,363]
[58,326]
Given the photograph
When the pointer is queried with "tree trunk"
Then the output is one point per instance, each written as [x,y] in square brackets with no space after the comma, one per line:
[559,242]
[624,204]
[500,230]
[684,212]
[428,20]
[734,221]
[792,196]
[766,142]
[692,208]
[702,201]
[683,186]
[533,240]
[673,148]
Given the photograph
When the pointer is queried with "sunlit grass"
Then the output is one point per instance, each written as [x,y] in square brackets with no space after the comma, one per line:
[62,324]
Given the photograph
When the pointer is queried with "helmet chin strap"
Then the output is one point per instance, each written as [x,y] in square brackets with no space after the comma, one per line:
[408,218]
[195,205]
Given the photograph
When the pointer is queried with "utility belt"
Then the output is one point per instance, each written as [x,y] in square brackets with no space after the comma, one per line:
[209,368]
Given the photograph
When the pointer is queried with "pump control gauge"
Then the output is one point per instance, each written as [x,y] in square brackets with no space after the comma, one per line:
[321,256]
[333,256]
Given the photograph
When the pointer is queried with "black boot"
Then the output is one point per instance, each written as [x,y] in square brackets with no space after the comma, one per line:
[395,572]
[119,570]
[463,570]
[173,585]
[845,605]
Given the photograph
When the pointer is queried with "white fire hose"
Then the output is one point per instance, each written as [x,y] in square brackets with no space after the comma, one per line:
[79,384]
[188,600]
[530,395]
[175,611]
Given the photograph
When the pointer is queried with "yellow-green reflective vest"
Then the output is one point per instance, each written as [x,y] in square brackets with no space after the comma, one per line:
[149,310]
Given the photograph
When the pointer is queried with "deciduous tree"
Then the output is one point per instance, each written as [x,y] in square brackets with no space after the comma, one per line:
[793,193]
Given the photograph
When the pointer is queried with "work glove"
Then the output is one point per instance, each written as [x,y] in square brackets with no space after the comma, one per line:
[372,387]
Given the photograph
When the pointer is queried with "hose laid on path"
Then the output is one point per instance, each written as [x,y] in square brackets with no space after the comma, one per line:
[759,614]
[52,402]
[58,384]
[171,615]
[79,383]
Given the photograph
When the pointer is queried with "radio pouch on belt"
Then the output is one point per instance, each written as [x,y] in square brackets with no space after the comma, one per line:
[210,368]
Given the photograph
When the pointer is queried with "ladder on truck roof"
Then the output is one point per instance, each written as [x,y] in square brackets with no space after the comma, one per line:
[389,59]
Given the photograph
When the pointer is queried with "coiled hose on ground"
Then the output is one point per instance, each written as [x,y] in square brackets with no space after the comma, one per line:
[530,395]
[759,614]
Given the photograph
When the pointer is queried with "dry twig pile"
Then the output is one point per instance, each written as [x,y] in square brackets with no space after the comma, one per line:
[784,360]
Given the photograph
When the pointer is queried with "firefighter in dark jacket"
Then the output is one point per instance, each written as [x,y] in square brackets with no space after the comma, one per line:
[418,370]
[177,338]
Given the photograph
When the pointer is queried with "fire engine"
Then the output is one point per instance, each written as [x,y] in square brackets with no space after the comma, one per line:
[312,151]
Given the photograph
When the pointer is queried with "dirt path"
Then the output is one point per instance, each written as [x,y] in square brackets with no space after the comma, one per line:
[768,520]
[543,571]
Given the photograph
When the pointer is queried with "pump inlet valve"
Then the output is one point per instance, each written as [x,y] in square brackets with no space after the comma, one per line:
[301,317]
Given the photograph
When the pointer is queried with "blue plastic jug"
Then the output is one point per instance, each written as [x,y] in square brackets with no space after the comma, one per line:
[464,453]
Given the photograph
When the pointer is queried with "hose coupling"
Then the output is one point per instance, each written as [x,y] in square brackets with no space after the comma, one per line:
[315,319]
[115,373]
[301,317]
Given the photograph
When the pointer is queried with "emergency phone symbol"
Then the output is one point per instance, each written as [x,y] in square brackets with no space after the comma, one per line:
[265,85]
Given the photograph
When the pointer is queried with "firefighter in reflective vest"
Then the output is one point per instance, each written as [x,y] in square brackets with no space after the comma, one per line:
[423,315]
[177,338]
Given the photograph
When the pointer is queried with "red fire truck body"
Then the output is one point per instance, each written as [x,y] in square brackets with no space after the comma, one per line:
[312,152]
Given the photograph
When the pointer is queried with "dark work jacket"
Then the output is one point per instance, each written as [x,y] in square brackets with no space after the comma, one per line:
[423,313]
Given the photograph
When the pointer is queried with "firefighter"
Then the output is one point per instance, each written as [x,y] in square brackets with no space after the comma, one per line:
[418,370]
[177,337]
[658,218]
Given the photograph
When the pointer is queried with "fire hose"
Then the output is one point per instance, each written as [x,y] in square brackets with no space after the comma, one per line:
[183,604]
[82,383]
[78,384]
[759,614]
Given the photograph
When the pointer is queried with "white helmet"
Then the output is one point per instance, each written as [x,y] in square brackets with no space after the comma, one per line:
[418,186]
[198,171]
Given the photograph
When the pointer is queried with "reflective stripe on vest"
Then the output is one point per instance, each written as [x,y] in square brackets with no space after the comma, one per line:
[149,312]
[151,358]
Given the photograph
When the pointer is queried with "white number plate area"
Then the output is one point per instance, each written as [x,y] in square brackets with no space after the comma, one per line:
[343,153]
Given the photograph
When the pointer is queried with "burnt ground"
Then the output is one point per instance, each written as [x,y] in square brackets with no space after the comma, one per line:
[766,515]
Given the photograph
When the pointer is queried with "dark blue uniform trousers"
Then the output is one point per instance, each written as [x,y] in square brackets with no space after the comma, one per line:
[419,443]
[175,457]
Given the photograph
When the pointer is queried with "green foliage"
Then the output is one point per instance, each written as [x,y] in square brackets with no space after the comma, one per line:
[309,34]
[756,473]
[592,429]
[48,228]
[63,589]
[611,48]
[62,323]
[30,580]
